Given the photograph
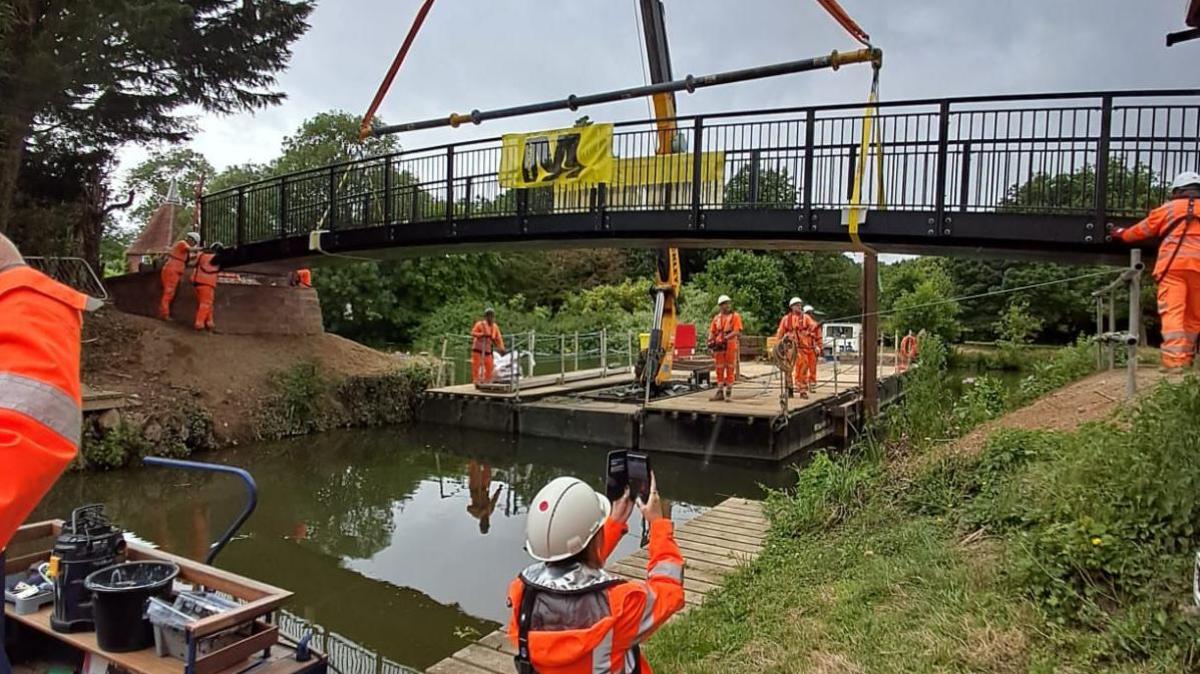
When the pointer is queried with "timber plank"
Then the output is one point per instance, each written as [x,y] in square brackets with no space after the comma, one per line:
[488,659]
[696,536]
[452,666]
[498,640]
[716,530]
[727,523]
[740,517]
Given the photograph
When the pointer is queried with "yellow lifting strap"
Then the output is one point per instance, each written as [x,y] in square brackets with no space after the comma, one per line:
[870,132]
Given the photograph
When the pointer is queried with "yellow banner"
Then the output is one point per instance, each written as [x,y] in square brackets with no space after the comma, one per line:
[580,154]
[665,169]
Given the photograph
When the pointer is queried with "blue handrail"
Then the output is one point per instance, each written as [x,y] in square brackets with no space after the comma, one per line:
[251,494]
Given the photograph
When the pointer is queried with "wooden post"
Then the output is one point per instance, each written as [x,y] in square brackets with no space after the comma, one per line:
[562,359]
[577,351]
[1112,327]
[870,338]
[442,367]
[896,356]
[629,351]
[835,367]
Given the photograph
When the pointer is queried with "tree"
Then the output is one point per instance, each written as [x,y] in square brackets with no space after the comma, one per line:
[755,282]
[775,188]
[919,296]
[101,73]
[150,179]
[1016,325]
[828,281]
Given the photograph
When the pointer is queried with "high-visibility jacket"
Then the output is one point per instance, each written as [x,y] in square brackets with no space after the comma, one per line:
[206,271]
[800,327]
[725,329]
[486,337]
[304,278]
[816,339]
[583,620]
[178,256]
[40,397]
[1177,223]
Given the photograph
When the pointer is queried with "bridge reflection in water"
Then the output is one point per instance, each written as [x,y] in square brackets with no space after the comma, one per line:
[1042,175]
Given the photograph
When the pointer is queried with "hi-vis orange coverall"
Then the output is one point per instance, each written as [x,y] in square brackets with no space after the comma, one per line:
[304,278]
[204,279]
[1177,271]
[586,621]
[815,345]
[172,271]
[799,327]
[40,404]
[485,339]
[725,329]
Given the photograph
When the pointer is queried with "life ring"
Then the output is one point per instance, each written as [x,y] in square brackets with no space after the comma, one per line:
[908,347]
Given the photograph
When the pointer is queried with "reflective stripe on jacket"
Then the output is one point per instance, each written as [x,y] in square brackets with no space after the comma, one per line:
[1180,235]
[40,399]
[587,621]
[206,271]
[486,337]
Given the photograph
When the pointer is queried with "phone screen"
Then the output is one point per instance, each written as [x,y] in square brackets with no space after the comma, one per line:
[638,467]
[618,475]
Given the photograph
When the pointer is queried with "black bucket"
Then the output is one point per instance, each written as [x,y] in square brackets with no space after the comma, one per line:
[119,602]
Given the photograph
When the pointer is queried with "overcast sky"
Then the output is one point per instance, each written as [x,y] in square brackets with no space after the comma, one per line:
[494,53]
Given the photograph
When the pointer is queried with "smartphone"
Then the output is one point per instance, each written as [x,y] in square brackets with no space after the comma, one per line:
[637,467]
[618,475]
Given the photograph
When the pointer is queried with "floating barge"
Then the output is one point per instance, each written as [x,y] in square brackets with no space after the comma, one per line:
[592,410]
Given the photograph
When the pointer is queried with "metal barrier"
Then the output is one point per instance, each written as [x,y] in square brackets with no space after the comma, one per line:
[1097,154]
[1110,339]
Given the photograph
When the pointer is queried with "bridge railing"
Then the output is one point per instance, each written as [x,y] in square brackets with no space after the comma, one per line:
[1099,155]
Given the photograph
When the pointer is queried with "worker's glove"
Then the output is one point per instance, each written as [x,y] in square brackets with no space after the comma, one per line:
[9,255]
[1118,234]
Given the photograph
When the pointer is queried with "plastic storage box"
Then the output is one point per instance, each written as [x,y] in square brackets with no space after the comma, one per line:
[170,621]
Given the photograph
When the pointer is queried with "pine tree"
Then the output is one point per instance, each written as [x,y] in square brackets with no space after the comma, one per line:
[99,73]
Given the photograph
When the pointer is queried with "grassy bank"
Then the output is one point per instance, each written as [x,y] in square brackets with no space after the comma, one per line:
[1043,551]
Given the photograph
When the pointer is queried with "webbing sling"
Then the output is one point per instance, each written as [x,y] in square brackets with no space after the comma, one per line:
[870,132]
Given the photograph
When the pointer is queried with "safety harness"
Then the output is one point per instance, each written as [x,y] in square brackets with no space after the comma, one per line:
[529,597]
[1182,220]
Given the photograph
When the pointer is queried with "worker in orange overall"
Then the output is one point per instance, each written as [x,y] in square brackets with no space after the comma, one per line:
[204,280]
[40,393]
[304,278]
[796,329]
[570,615]
[815,345]
[1177,271]
[909,349]
[173,270]
[485,339]
[723,336]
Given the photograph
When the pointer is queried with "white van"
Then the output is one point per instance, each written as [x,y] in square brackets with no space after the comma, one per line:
[846,338]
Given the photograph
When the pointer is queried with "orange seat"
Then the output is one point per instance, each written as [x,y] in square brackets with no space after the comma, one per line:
[685,340]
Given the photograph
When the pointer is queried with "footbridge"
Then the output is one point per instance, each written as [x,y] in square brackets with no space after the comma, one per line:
[1043,176]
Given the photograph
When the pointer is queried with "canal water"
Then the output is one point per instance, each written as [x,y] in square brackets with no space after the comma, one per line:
[401,541]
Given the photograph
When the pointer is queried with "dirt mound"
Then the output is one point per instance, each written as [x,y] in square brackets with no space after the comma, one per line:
[162,362]
[1089,399]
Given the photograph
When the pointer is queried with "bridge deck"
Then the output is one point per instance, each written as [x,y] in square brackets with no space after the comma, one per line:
[714,545]
[1042,176]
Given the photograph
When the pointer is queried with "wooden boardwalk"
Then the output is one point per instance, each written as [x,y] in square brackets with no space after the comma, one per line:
[714,544]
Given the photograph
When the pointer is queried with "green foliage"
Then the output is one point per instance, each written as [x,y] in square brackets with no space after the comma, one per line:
[1017,325]
[829,281]
[776,189]
[1066,365]
[64,73]
[982,400]
[755,282]
[298,405]
[383,400]
[327,138]
[917,295]
[828,490]
[113,448]
[926,411]
[151,178]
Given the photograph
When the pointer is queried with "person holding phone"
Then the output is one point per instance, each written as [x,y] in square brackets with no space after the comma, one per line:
[569,614]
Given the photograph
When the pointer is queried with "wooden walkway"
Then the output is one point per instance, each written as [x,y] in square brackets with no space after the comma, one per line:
[714,544]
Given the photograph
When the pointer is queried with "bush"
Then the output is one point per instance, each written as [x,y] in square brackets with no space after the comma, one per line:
[982,400]
[828,490]
[1063,367]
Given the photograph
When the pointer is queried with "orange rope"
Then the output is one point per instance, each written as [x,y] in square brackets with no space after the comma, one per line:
[364,128]
[835,10]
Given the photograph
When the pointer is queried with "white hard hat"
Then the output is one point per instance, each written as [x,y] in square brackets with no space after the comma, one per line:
[563,518]
[808,308]
[794,301]
[1185,179]
[723,299]
[193,236]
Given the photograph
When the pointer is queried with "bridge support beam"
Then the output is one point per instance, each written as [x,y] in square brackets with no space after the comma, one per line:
[870,334]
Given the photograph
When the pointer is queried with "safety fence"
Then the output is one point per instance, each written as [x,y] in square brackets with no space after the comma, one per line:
[1103,155]
[1109,338]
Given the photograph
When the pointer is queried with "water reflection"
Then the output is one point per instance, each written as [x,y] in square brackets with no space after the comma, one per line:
[378,533]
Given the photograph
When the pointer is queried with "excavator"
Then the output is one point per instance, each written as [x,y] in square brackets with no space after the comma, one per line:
[655,362]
